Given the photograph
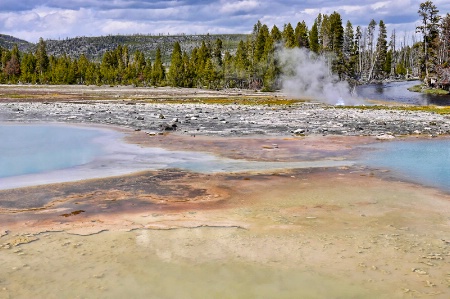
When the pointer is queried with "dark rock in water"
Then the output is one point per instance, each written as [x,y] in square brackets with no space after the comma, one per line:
[140,118]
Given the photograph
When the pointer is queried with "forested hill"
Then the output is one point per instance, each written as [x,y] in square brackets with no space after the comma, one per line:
[7,42]
[95,47]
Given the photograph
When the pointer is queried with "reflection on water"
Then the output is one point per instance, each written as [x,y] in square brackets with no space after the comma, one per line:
[398,92]
[421,161]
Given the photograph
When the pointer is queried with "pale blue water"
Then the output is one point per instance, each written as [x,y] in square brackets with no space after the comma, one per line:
[28,149]
[423,161]
[35,149]
[43,154]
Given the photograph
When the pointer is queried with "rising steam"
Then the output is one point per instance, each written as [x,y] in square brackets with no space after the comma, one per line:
[307,75]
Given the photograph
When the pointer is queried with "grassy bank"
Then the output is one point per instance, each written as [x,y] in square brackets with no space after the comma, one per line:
[423,89]
[431,109]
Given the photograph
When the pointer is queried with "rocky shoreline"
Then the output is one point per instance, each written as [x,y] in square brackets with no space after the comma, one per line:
[307,118]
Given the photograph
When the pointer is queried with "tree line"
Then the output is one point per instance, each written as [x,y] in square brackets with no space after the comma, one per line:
[359,55]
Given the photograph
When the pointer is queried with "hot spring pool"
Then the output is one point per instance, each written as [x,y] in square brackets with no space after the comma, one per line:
[36,154]
[49,153]
[28,149]
[422,161]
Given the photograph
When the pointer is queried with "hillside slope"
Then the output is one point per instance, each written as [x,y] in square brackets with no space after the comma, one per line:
[95,47]
[8,41]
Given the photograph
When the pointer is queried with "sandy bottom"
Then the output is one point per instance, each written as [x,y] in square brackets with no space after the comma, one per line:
[344,232]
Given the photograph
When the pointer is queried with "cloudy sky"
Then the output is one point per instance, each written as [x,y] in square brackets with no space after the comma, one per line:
[58,19]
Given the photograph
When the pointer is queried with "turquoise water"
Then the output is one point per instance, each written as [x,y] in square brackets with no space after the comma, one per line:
[28,149]
[422,161]
[42,154]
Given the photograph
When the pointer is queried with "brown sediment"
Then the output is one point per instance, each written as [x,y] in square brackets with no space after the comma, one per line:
[103,200]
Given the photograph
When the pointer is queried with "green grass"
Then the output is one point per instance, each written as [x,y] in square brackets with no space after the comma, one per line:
[423,89]
[430,109]
[253,101]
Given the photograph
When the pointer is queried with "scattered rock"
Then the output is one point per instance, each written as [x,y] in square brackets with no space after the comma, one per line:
[168,127]
[299,131]
[299,119]
[385,137]
[419,271]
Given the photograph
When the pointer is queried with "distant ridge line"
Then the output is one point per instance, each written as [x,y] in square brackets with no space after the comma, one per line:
[93,47]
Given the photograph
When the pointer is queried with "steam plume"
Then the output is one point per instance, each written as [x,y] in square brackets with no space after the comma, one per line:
[307,75]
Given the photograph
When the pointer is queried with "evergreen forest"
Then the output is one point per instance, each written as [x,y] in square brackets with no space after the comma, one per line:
[358,54]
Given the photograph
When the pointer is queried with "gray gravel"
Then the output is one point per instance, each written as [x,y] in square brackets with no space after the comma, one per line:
[232,120]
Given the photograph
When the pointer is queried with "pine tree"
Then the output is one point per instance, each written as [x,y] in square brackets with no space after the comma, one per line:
[158,70]
[217,52]
[28,67]
[348,43]
[83,65]
[202,55]
[325,35]
[229,71]
[109,67]
[209,74]
[276,35]
[42,60]
[314,38]
[289,36]
[241,60]
[135,69]
[176,66]
[147,72]
[12,67]
[336,32]
[301,35]
[260,43]
[349,50]
[381,51]
[429,29]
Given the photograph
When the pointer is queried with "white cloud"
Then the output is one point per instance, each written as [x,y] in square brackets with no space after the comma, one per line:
[53,18]
[232,7]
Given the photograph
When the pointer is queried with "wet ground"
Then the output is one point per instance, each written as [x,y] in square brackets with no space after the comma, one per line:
[337,232]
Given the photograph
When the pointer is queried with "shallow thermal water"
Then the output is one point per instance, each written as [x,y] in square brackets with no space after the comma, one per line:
[422,161]
[51,153]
